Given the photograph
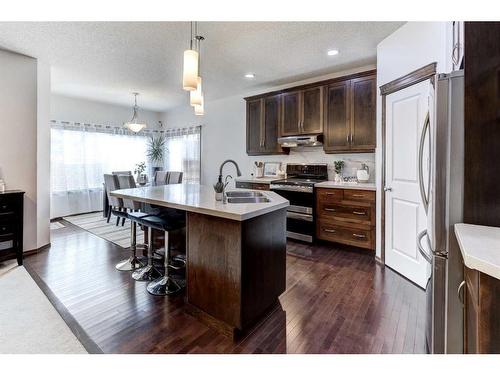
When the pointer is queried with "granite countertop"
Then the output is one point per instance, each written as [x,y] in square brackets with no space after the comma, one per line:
[480,247]
[201,199]
[347,185]
[260,180]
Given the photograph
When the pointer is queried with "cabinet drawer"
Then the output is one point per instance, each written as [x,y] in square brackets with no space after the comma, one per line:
[345,212]
[359,195]
[7,206]
[6,228]
[329,195]
[351,236]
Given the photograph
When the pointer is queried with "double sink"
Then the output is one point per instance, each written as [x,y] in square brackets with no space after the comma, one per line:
[246,197]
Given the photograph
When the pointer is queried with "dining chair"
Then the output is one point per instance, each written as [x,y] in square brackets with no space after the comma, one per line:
[115,204]
[160,178]
[128,182]
[127,173]
[173,178]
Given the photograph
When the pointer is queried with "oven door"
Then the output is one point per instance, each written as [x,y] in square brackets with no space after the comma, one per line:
[300,219]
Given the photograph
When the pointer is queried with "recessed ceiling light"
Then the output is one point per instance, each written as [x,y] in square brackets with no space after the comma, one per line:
[333,52]
[249,75]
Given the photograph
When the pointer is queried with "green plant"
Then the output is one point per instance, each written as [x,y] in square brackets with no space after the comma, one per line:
[339,164]
[140,168]
[156,149]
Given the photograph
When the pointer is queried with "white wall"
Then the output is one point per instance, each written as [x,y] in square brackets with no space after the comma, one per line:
[412,46]
[224,136]
[21,85]
[64,108]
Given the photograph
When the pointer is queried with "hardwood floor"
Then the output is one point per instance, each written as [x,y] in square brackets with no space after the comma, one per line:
[338,300]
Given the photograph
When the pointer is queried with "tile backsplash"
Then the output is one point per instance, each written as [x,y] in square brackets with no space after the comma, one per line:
[317,155]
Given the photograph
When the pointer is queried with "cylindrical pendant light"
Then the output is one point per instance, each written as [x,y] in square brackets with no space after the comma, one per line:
[196,95]
[190,72]
[199,110]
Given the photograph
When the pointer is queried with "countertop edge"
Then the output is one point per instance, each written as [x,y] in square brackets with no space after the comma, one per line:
[205,211]
[474,262]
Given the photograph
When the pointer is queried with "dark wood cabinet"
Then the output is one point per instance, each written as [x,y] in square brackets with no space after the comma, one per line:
[342,109]
[363,110]
[350,110]
[11,225]
[337,126]
[263,121]
[346,216]
[252,185]
[482,313]
[290,113]
[302,112]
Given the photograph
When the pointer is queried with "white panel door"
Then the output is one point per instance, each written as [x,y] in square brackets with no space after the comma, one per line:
[405,215]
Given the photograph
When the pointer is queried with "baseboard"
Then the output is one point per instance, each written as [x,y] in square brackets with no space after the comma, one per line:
[27,253]
[379,260]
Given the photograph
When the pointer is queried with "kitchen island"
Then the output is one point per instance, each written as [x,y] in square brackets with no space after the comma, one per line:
[236,252]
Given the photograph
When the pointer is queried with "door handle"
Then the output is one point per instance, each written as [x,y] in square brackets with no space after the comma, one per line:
[387,188]
[426,256]
[423,193]
[460,287]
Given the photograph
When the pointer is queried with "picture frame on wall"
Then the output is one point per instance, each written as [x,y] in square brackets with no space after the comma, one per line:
[271,168]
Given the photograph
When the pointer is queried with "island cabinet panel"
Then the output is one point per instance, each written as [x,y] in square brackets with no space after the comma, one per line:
[263,122]
[482,313]
[346,216]
[350,110]
[236,269]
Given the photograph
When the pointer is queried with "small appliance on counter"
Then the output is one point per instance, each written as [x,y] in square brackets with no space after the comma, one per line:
[363,174]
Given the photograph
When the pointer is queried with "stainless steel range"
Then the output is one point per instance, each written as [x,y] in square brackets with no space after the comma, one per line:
[298,188]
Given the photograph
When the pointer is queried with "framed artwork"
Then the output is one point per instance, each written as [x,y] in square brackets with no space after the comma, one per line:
[271,168]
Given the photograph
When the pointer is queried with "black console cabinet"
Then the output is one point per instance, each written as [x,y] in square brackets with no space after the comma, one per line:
[11,225]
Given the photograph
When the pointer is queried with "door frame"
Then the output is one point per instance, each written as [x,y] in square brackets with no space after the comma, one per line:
[419,75]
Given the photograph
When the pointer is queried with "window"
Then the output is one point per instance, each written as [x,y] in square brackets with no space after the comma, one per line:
[81,154]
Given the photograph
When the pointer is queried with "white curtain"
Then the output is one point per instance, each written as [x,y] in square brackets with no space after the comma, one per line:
[82,153]
[183,148]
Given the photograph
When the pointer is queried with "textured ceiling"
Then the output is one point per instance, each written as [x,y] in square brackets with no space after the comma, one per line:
[106,61]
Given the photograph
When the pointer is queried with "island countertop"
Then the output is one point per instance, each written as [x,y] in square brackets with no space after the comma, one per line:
[201,199]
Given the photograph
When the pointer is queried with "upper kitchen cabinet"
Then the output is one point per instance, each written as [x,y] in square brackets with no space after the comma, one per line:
[302,112]
[263,121]
[350,116]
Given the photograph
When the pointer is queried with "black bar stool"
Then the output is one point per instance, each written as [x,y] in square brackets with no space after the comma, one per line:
[162,284]
[132,262]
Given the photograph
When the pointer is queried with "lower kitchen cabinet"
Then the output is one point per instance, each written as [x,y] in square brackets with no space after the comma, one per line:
[482,312]
[252,185]
[346,216]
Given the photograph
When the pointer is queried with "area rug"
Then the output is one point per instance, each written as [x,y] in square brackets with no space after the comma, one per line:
[29,324]
[96,224]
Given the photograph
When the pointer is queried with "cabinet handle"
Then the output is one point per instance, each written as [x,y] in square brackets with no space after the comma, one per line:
[329,230]
[358,235]
[358,195]
[331,193]
[459,292]
[352,137]
[359,212]
[330,209]
[347,138]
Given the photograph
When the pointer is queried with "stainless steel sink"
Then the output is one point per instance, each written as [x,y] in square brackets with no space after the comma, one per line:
[257,199]
[244,194]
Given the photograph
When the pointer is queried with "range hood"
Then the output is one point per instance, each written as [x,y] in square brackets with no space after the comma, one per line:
[301,140]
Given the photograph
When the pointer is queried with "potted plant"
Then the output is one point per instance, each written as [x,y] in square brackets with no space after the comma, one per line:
[339,165]
[155,152]
[139,171]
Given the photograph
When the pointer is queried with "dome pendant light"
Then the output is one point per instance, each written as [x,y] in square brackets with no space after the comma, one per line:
[190,72]
[134,124]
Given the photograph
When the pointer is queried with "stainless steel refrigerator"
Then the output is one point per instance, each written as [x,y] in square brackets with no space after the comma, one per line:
[442,195]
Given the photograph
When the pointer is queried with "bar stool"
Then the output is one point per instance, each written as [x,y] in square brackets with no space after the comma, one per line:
[132,262]
[164,284]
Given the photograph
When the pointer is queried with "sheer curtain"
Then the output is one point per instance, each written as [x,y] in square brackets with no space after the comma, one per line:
[183,151]
[80,155]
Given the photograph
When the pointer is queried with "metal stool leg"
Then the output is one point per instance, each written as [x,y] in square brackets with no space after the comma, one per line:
[148,272]
[132,262]
[166,285]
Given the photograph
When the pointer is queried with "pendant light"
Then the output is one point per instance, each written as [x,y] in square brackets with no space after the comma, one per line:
[199,110]
[195,96]
[191,60]
[134,124]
